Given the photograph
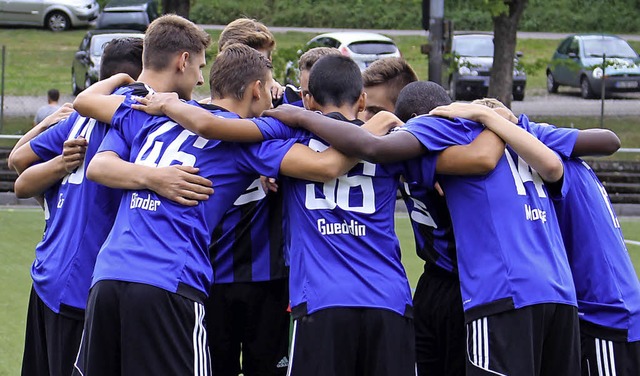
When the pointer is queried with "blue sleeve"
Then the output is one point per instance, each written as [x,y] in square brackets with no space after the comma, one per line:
[437,134]
[560,140]
[272,128]
[264,158]
[128,121]
[421,170]
[113,141]
[49,143]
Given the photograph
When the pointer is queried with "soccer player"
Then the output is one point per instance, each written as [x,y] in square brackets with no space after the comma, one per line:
[172,280]
[383,80]
[437,304]
[503,297]
[83,213]
[609,305]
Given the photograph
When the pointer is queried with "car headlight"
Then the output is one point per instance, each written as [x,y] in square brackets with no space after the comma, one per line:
[597,73]
[464,71]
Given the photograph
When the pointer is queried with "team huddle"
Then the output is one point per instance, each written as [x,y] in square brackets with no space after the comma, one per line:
[182,236]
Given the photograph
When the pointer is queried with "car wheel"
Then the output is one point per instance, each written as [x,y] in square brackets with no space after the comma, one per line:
[57,21]
[552,85]
[74,85]
[452,89]
[518,96]
[585,89]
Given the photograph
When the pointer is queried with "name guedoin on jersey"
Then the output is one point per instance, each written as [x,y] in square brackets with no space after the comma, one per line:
[144,203]
[352,227]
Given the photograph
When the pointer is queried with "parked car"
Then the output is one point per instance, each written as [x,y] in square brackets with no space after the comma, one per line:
[578,63]
[128,14]
[467,69]
[363,48]
[55,15]
[85,69]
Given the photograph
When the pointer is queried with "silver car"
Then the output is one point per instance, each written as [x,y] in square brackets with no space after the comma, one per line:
[55,15]
[363,47]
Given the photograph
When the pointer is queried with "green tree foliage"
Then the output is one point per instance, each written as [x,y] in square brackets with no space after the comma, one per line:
[613,16]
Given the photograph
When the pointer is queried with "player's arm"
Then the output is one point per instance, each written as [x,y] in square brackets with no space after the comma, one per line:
[350,139]
[19,162]
[477,158]
[177,183]
[535,153]
[304,163]
[97,102]
[595,142]
[199,120]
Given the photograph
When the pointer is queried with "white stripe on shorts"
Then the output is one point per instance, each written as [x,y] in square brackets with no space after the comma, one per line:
[293,346]
[605,357]
[478,331]
[201,364]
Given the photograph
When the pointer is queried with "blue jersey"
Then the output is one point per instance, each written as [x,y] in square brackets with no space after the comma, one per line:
[607,286]
[84,213]
[504,223]
[432,228]
[248,243]
[343,248]
[157,241]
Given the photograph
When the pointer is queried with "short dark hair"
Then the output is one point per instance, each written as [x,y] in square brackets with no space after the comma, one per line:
[420,97]
[394,73]
[53,95]
[122,55]
[335,79]
[310,57]
[234,69]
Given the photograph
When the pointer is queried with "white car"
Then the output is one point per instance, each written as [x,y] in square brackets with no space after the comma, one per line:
[364,48]
[55,15]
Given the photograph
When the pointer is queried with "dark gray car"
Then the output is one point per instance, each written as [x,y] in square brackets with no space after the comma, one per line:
[85,69]
[468,68]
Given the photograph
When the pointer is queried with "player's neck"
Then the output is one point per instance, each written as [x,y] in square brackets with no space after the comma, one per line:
[349,112]
[232,105]
[160,81]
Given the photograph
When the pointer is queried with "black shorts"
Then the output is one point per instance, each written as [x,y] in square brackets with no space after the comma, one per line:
[51,340]
[251,318]
[540,340]
[352,342]
[138,329]
[439,323]
[605,354]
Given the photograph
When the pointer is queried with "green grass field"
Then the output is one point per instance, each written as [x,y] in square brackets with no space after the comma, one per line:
[21,229]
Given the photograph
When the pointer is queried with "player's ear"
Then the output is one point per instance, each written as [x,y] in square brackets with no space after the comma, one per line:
[256,89]
[182,61]
[362,101]
[311,103]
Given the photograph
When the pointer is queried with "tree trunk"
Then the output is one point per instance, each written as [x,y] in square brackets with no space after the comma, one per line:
[179,7]
[505,27]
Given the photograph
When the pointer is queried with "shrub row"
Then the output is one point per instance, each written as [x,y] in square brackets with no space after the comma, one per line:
[614,16]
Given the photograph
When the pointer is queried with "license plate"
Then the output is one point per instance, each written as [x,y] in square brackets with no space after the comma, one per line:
[627,84]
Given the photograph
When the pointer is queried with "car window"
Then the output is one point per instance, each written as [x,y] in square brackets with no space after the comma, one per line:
[476,47]
[609,46]
[574,47]
[84,45]
[564,46]
[122,19]
[373,48]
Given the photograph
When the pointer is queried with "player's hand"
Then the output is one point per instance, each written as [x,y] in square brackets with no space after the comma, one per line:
[381,123]
[60,114]
[286,113]
[438,189]
[181,184]
[154,103]
[469,111]
[277,90]
[268,184]
[73,152]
